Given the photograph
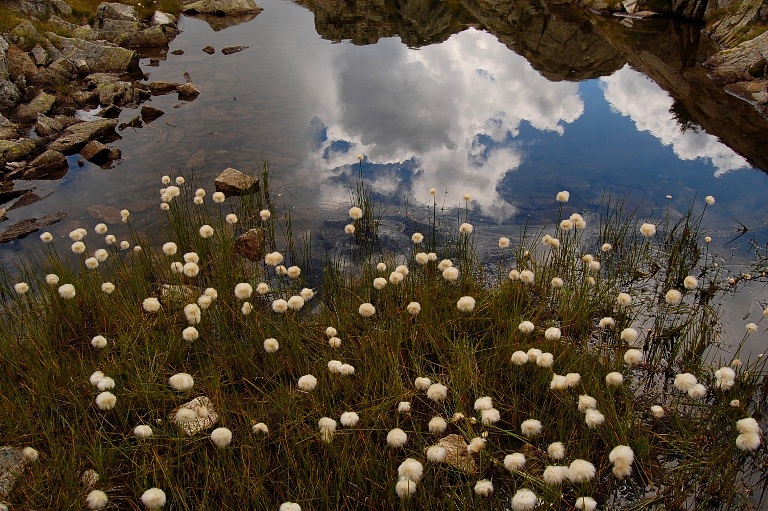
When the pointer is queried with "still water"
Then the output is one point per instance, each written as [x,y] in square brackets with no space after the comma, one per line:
[509,106]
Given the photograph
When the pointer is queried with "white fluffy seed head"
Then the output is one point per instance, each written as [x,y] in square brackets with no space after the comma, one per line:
[142,431]
[410,469]
[181,381]
[524,500]
[221,437]
[436,453]
[484,487]
[307,383]
[514,462]
[396,438]
[154,498]
[106,400]
[437,425]
[405,488]
[96,499]
[531,427]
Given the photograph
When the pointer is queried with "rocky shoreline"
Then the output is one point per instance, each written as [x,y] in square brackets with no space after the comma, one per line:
[48,79]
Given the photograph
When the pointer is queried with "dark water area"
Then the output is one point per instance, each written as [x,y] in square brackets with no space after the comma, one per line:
[509,102]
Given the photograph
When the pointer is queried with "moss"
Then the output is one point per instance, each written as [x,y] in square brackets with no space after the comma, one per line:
[757,70]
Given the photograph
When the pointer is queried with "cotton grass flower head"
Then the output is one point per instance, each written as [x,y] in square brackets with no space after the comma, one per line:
[142,431]
[422,383]
[524,500]
[417,237]
[581,471]
[751,328]
[586,402]
[503,242]
[623,299]
[445,263]
[327,427]
[231,219]
[334,342]
[99,342]
[748,441]
[396,438]
[422,258]
[525,327]
[657,411]
[96,499]
[648,230]
[30,454]
[192,313]
[67,291]
[177,268]
[466,304]
[586,504]
[46,237]
[402,269]
[273,258]
[555,474]
[437,425]
[221,437]
[698,391]
[366,310]
[405,488]
[181,381]
[413,308]
[514,462]
[410,469]
[106,383]
[271,345]
[78,247]
[566,225]
[295,302]
[21,287]
[151,304]
[154,498]
[206,231]
[633,357]
[685,382]
[290,506]
[437,392]
[396,277]
[218,197]
[52,279]
[607,322]
[534,354]
[260,427]
[725,377]
[293,272]
[622,457]
[476,445]
[404,407]
[379,283]
[451,274]
[557,282]
[519,358]
[673,297]
[106,400]
[91,263]
[124,245]
[563,196]
[552,333]
[307,383]
[545,360]
[355,213]
[556,451]
[484,488]
[530,428]
[614,379]
[466,228]
[690,282]
[483,403]
[436,454]
[593,418]
[190,334]
[349,419]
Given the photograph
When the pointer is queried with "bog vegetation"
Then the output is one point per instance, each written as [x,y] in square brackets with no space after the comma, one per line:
[578,368]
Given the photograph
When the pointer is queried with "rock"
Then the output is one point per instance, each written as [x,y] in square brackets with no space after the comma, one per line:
[456,454]
[20,64]
[250,244]
[49,165]
[86,97]
[210,50]
[46,127]
[218,23]
[25,35]
[160,88]
[149,114]
[177,51]
[15,150]
[233,182]
[110,112]
[9,195]
[95,152]
[41,104]
[152,37]
[40,8]
[61,70]
[12,463]
[755,92]
[630,6]
[176,294]
[117,31]
[135,122]
[734,65]
[100,57]
[24,228]
[115,11]
[8,130]
[29,197]
[229,50]
[163,19]
[205,416]
[187,91]
[77,135]
[727,30]
[112,93]
[3,218]
[72,30]
[41,57]
[222,7]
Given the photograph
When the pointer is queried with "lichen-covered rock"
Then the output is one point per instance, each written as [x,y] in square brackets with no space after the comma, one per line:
[40,8]
[46,127]
[21,65]
[41,104]
[456,454]
[9,93]
[77,135]
[115,11]
[100,57]
[152,37]
[250,244]
[233,182]
[12,463]
[187,91]
[15,150]
[222,7]
[205,417]
[49,165]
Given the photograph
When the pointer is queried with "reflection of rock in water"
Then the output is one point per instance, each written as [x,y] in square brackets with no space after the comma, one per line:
[218,23]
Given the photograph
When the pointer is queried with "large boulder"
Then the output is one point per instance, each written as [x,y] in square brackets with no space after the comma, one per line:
[77,135]
[222,7]
[49,165]
[9,93]
[21,65]
[40,8]
[152,37]
[115,11]
[25,35]
[15,150]
[99,56]
[41,104]
[233,182]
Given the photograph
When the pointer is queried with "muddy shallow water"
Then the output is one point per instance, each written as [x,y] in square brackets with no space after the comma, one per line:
[451,99]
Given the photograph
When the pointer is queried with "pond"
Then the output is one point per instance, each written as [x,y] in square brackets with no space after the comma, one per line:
[509,103]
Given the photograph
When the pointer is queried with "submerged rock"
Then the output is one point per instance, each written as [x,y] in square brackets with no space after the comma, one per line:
[95,152]
[233,182]
[26,227]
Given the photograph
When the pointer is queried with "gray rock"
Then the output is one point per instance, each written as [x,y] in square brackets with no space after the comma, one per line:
[160,88]
[117,31]
[229,50]
[112,93]
[149,114]
[40,8]
[61,70]
[26,36]
[163,19]
[63,27]
[205,416]
[49,165]
[210,50]
[15,150]
[152,37]
[42,57]
[233,182]
[41,104]
[46,127]
[77,135]
[100,57]
[115,11]
[86,97]
[20,230]
[222,7]
[9,93]
[12,463]
[8,130]
[630,6]
[29,197]
[20,64]
[95,152]
[734,65]
[250,244]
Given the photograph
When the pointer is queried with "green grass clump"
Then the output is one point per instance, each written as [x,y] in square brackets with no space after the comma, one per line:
[686,459]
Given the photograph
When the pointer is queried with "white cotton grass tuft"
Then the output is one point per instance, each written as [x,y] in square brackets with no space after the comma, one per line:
[648,230]
[142,431]
[751,328]
[526,327]
[623,299]
[657,411]
[295,302]
[556,451]
[673,297]
[587,402]
[633,357]
[30,454]
[334,342]
[410,469]
[614,379]
[106,401]
[290,506]
[206,231]
[749,441]
[271,345]
[531,428]
[106,383]
[593,418]
[555,474]
[437,392]
[96,377]
[628,335]
[366,310]
[552,333]
[466,304]
[466,228]
[533,354]
[690,282]
[519,358]
[514,462]
[476,445]
[307,383]
[190,334]
[437,425]
[67,291]
[396,438]
[484,488]
[260,427]
[243,290]
[563,196]
[586,504]
[273,258]
[607,322]
[151,304]
[221,437]
[698,391]
[184,415]
[192,313]
[99,342]
[52,279]
[483,403]
[622,457]
[349,419]
[154,498]
[451,274]
[685,382]
[545,360]
[181,381]
[436,453]
[709,200]
[355,213]
[524,500]
[413,308]
[96,499]
[106,287]
[490,416]
[405,488]
[747,425]
[581,471]
[279,306]
[247,308]
[404,407]
[327,427]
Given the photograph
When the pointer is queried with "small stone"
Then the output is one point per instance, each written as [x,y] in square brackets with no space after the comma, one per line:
[250,244]
[233,182]
[95,152]
[210,50]
[187,91]
[456,454]
[177,51]
[160,88]
[205,416]
[149,114]
[229,50]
